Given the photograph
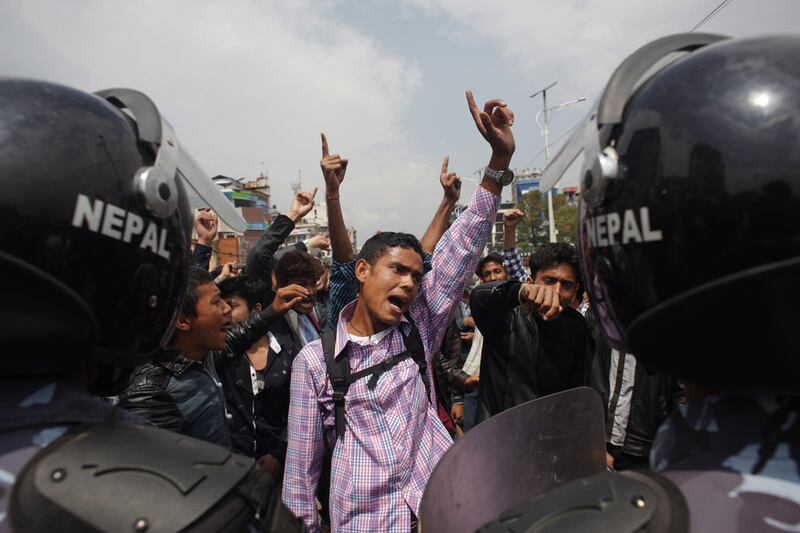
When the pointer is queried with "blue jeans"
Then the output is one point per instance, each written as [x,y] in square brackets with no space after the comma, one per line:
[470,409]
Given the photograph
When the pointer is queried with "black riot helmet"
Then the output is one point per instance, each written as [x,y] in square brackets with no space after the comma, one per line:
[95,226]
[690,209]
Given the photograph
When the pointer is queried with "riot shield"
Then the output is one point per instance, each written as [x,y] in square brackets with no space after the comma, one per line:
[512,457]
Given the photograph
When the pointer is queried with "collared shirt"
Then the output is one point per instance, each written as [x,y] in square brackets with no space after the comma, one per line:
[344,287]
[393,438]
[308,327]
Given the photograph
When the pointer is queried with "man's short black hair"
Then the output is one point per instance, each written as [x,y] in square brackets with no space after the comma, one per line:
[490,258]
[251,290]
[297,265]
[377,245]
[197,277]
[554,253]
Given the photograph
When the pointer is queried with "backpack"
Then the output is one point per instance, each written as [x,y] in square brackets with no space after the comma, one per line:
[341,378]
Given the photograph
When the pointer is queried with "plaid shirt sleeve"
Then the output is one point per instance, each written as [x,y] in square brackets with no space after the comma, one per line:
[513,263]
[306,448]
[455,258]
[343,289]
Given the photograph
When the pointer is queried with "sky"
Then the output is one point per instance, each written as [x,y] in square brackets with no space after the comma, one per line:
[249,84]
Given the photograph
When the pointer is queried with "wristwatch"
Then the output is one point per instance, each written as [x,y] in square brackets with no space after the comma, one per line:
[503,177]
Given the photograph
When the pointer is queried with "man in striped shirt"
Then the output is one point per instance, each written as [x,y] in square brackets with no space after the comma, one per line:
[392,436]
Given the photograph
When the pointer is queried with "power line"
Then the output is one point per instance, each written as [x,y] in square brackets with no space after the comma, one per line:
[554,143]
[711,15]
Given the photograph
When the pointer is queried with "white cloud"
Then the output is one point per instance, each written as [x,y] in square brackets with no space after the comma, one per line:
[247,81]
[580,43]
[242,82]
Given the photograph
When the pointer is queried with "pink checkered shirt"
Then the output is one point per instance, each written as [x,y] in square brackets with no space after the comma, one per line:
[393,437]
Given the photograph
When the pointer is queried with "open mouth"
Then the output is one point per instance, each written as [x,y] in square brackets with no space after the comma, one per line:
[397,303]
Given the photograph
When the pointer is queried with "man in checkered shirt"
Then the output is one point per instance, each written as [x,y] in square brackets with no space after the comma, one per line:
[393,437]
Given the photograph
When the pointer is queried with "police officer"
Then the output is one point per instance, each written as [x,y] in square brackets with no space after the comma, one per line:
[703,160]
[94,251]
[690,246]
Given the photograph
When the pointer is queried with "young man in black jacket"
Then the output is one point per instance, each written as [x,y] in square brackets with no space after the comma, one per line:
[535,343]
[180,389]
[255,380]
[262,257]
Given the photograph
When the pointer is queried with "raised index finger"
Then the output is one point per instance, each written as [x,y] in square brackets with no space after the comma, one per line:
[445,163]
[476,113]
[324,145]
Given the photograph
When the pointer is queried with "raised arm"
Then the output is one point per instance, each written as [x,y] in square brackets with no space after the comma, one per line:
[511,219]
[259,261]
[241,336]
[458,250]
[451,184]
[494,124]
[333,170]
[205,225]
[512,260]
[343,283]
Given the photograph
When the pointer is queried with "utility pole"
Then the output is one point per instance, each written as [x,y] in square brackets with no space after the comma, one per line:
[545,131]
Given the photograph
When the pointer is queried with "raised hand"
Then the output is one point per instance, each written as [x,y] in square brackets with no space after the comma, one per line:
[229,270]
[494,124]
[205,224]
[450,181]
[333,169]
[286,297]
[302,204]
[512,217]
[320,242]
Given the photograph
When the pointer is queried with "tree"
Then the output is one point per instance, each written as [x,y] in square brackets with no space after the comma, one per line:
[566,218]
[535,228]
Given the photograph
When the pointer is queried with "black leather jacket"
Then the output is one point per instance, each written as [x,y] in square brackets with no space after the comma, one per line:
[176,393]
[447,367]
[258,422]
[654,397]
[263,254]
[523,356]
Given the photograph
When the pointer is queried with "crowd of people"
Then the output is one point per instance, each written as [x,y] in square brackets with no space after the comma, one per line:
[346,382]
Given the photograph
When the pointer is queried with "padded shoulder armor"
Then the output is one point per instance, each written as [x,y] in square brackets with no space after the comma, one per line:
[123,477]
[609,501]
